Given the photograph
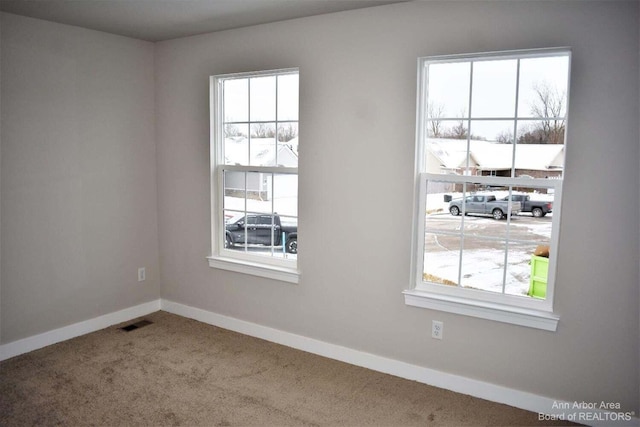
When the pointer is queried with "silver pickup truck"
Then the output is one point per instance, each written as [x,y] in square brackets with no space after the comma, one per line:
[484,204]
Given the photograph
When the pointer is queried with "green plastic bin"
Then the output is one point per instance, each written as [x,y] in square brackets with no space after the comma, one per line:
[539,274]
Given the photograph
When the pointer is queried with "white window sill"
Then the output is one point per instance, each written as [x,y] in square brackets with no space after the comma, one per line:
[255,269]
[484,310]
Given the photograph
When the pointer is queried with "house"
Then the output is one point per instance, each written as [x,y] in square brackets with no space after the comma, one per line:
[488,158]
[105,168]
[262,152]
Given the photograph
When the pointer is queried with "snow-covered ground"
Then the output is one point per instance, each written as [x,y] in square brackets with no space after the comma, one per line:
[286,207]
[482,269]
[483,261]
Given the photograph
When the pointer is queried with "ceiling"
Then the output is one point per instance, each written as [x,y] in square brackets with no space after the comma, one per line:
[157,20]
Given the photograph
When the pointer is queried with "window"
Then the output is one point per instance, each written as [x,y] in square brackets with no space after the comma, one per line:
[489,168]
[254,172]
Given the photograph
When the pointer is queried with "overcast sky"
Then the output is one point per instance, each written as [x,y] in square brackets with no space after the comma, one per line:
[494,89]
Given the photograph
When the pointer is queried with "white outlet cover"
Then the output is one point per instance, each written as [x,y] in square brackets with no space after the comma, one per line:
[437,329]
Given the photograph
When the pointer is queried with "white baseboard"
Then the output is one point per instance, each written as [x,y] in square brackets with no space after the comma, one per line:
[35,342]
[492,392]
[459,384]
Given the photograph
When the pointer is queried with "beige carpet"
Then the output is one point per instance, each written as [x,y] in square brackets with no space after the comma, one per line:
[177,371]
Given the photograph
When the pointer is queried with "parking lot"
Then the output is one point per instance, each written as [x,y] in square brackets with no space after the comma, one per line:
[521,228]
[485,251]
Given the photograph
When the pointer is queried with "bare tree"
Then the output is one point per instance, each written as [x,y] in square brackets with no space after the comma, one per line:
[286,132]
[435,111]
[231,131]
[549,105]
[505,136]
[459,130]
[261,130]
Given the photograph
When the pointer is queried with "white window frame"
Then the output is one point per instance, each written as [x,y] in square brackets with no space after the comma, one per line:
[500,307]
[238,261]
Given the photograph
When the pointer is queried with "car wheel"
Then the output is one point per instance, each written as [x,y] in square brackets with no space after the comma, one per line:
[454,210]
[497,214]
[292,245]
[537,212]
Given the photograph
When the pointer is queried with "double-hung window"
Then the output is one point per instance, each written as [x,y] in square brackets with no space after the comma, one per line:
[490,152]
[254,173]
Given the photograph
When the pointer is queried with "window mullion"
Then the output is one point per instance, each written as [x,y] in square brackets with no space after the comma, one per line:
[513,175]
[467,171]
[246,211]
[276,123]
[249,137]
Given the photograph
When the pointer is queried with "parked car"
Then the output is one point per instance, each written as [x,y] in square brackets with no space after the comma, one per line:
[538,208]
[264,229]
[483,204]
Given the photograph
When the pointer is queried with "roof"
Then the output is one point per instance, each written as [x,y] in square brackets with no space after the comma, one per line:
[487,155]
[262,151]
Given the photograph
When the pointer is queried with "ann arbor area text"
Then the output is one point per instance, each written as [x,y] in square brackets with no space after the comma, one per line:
[595,405]
[586,405]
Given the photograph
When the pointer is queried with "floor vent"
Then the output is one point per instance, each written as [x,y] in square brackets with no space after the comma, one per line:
[136,325]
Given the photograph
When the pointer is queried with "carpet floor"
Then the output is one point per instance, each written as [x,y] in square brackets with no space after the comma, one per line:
[177,371]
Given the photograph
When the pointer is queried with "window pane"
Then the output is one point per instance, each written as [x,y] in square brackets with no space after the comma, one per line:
[236,144]
[494,88]
[437,214]
[234,190]
[259,192]
[236,100]
[448,89]
[288,97]
[485,208]
[541,131]
[492,147]
[482,265]
[441,259]
[285,194]
[543,87]
[233,216]
[263,98]
[446,156]
[288,135]
[287,149]
[235,232]
[500,131]
[457,129]
[537,154]
[537,206]
[263,144]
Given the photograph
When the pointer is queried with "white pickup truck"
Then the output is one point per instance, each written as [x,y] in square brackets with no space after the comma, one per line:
[484,204]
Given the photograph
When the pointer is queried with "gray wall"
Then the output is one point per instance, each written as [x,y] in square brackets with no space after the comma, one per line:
[80,214]
[78,175]
[357,127]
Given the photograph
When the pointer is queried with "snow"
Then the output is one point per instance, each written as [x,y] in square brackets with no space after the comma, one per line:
[482,269]
[483,260]
[488,155]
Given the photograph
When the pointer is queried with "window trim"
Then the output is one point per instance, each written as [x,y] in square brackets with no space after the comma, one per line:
[499,307]
[286,270]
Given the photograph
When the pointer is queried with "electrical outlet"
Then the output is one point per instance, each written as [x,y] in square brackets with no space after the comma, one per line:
[142,274]
[437,329]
